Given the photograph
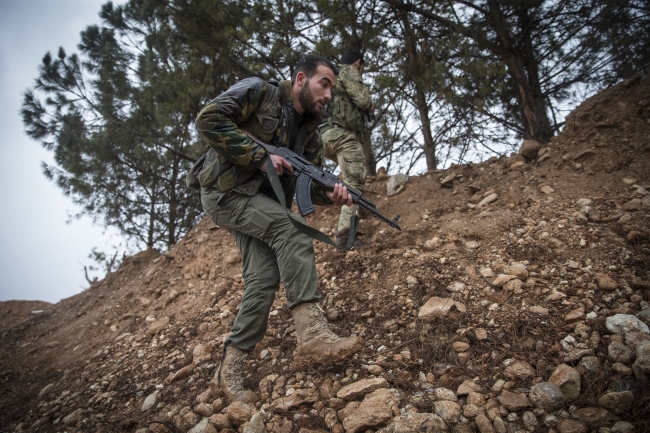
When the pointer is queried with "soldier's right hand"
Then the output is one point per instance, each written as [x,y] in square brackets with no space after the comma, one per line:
[279,163]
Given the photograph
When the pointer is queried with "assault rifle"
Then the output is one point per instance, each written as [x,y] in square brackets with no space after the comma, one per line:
[306,173]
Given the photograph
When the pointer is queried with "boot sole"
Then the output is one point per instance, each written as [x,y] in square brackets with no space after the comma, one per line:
[314,360]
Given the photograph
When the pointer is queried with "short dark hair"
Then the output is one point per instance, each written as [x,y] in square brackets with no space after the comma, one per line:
[351,56]
[309,64]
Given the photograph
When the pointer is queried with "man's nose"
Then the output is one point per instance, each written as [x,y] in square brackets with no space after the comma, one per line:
[328,95]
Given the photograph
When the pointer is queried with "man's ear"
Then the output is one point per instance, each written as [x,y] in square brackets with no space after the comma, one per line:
[301,78]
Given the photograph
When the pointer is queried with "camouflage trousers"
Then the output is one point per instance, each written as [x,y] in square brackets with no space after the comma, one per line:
[344,147]
[272,250]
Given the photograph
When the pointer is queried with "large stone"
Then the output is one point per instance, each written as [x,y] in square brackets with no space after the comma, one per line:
[530,420]
[643,357]
[471,411]
[502,279]
[361,388]
[571,426]
[644,316]
[520,370]
[442,394]
[256,424]
[499,425]
[634,338]
[622,369]
[529,150]
[475,398]
[376,410]
[204,409]
[449,411]
[329,416]
[595,417]
[576,355]
[622,427]
[183,373]
[297,398]
[617,402]
[605,282]
[627,384]
[547,396]
[348,410]
[189,420]
[517,269]
[203,427]
[619,352]
[621,324]
[460,346]
[484,425]
[73,418]
[514,286]
[149,402]
[221,421]
[568,380]
[591,365]
[201,353]
[575,315]
[538,310]
[456,286]
[45,390]
[396,184]
[157,428]
[513,401]
[468,386]
[632,205]
[448,179]
[439,307]
[158,325]
[239,412]
[487,200]
[416,422]
[462,428]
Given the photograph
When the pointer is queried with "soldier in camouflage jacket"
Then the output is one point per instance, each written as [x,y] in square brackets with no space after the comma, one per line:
[236,195]
[344,124]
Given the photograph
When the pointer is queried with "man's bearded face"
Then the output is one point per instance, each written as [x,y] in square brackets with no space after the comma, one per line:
[307,101]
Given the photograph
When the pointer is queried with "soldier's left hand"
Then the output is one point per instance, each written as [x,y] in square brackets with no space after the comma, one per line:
[340,195]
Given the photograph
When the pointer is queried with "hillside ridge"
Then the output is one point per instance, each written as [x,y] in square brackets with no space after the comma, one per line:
[511,279]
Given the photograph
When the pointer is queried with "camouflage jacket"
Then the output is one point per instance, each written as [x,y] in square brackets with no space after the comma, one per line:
[350,100]
[265,110]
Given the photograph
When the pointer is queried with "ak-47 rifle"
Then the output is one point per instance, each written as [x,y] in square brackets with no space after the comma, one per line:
[306,173]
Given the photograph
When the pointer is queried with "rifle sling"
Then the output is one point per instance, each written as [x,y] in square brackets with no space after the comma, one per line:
[304,228]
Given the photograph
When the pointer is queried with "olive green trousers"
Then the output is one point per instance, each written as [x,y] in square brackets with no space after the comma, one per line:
[343,146]
[272,250]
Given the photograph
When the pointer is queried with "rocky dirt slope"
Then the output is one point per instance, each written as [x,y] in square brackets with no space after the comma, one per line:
[514,299]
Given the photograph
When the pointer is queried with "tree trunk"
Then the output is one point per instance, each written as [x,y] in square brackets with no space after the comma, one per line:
[530,100]
[413,74]
[152,220]
[173,204]
[429,145]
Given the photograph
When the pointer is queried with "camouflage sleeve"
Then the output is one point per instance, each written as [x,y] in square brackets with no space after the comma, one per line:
[350,81]
[217,123]
[314,153]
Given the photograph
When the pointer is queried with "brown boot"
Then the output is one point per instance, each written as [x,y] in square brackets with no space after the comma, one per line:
[231,376]
[316,339]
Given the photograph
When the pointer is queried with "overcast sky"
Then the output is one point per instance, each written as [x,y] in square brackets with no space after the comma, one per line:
[41,256]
